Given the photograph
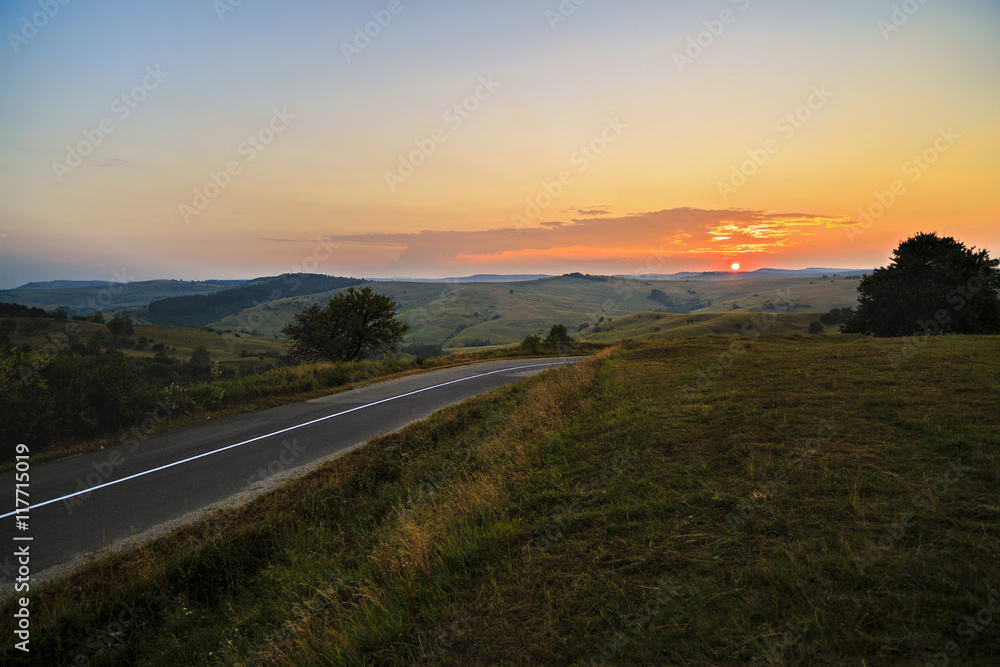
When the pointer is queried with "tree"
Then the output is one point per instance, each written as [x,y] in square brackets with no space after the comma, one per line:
[558,336]
[354,325]
[121,325]
[60,315]
[532,344]
[815,327]
[933,285]
[836,316]
[24,397]
[200,361]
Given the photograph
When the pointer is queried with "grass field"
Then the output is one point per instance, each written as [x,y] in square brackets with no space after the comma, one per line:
[700,501]
[504,313]
[178,342]
[640,326]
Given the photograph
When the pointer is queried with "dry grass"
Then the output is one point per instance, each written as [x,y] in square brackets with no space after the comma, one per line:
[597,513]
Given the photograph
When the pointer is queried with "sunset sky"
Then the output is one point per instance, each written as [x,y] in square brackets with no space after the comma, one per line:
[196,139]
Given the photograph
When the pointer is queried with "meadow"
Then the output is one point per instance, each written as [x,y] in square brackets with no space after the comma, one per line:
[237,349]
[714,500]
[467,314]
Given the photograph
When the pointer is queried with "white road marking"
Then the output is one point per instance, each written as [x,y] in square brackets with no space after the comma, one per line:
[261,437]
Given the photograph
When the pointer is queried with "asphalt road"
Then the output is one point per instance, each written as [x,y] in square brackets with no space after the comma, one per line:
[89,502]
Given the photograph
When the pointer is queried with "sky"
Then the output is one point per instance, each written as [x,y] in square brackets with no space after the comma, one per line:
[201,139]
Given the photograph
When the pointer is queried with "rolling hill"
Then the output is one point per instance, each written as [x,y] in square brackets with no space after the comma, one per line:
[201,309]
[458,313]
[469,314]
[84,299]
[177,342]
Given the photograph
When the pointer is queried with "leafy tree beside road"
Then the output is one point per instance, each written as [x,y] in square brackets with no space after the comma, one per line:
[353,325]
[933,285]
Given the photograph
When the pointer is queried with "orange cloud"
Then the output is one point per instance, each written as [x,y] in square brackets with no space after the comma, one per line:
[619,239]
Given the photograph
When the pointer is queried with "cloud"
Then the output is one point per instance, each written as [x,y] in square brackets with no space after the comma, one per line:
[620,239]
[593,212]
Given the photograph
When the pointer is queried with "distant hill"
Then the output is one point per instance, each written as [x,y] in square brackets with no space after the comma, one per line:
[813,272]
[638,326]
[203,309]
[79,299]
[462,315]
[478,278]
[457,313]
[65,284]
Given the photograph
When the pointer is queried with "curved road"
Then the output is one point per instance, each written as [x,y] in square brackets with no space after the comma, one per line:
[88,502]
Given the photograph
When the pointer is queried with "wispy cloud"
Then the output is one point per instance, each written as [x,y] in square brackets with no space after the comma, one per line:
[617,239]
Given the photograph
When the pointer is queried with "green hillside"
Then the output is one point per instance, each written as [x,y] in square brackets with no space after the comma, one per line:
[640,326]
[199,310]
[177,342]
[811,504]
[456,315]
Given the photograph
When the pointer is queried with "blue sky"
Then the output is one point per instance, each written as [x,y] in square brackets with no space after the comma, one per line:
[324,176]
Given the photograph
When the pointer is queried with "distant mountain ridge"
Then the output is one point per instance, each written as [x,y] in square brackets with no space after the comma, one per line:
[812,272]
[83,297]
[65,284]
[198,310]
[477,278]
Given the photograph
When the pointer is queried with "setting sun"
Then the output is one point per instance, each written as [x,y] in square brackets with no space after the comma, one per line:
[736,267]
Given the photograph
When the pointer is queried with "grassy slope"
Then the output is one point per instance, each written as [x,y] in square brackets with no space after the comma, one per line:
[640,326]
[596,513]
[179,341]
[436,311]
